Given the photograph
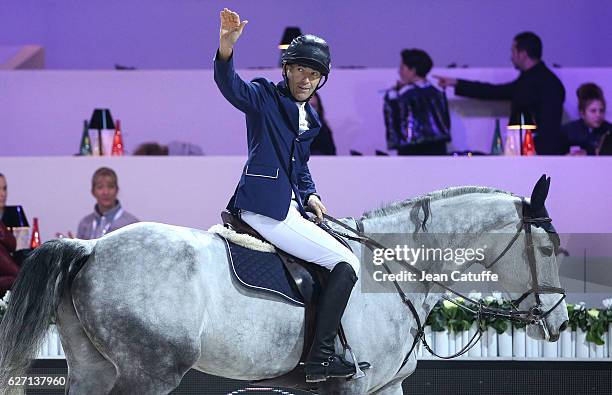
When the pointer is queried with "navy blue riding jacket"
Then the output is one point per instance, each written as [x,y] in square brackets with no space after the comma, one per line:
[278,152]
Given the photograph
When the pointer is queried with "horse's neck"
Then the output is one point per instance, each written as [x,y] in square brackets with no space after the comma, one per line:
[464,215]
[422,300]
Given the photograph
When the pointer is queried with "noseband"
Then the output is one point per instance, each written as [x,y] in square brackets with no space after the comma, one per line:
[534,315]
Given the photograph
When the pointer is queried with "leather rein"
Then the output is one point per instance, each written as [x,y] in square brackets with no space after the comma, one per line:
[533,316]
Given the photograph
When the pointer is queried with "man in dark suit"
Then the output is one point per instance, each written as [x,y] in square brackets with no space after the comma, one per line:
[276,184]
[537,90]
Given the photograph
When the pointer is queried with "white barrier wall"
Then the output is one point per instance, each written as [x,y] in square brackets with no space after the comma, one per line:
[191,191]
[510,345]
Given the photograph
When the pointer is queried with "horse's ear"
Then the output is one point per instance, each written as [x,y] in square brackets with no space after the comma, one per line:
[539,193]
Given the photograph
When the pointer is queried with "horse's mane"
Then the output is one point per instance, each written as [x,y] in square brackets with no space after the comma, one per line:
[423,201]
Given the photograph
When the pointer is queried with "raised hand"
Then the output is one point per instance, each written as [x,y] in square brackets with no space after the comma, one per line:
[230,31]
[444,82]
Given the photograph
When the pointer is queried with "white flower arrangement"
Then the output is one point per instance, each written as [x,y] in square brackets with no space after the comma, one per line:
[475,295]
[497,296]
[593,313]
[4,301]
[4,304]
[494,297]
[607,303]
[489,299]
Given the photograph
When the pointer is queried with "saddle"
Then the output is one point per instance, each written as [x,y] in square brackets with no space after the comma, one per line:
[303,274]
[308,279]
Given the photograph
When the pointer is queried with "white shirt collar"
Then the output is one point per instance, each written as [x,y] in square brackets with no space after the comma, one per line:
[303,118]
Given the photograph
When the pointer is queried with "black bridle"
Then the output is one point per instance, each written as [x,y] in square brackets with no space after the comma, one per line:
[532,316]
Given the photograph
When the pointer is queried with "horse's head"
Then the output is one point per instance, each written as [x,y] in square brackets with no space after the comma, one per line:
[529,272]
[536,270]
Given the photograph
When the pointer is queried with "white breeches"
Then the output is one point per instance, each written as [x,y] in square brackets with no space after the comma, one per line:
[302,238]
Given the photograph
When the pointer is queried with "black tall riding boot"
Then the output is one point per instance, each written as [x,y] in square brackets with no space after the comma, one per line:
[323,362]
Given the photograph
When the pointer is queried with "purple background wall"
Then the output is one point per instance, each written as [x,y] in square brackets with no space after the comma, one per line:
[161,34]
[42,112]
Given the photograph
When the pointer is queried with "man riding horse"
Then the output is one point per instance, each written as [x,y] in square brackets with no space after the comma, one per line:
[276,184]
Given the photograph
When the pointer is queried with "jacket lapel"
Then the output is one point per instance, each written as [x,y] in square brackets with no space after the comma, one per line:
[313,117]
[291,113]
[314,123]
[288,107]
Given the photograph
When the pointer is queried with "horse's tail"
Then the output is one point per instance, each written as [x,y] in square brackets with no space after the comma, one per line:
[34,298]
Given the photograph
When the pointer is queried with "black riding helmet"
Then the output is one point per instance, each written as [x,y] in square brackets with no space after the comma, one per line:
[310,51]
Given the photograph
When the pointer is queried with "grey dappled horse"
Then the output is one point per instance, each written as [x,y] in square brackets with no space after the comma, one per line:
[139,307]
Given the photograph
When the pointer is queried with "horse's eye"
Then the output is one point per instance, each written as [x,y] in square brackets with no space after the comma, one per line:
[546,251]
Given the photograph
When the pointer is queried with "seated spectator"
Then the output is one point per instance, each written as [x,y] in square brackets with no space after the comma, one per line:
[8,268]
[588,131]
[174,148]
[416,113]
[108,215]
[323,144]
